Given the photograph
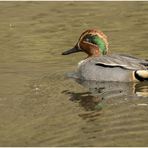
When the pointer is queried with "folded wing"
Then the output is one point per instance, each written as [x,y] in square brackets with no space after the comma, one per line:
[122,61]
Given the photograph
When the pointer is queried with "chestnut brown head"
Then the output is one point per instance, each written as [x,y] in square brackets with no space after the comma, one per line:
[92,41]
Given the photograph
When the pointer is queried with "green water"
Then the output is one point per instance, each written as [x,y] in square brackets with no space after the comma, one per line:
[38,105]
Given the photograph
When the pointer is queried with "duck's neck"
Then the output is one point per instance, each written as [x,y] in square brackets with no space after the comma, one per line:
[96,53]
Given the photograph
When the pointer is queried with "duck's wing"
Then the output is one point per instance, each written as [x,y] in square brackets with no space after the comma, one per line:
[135,59]
[122,61]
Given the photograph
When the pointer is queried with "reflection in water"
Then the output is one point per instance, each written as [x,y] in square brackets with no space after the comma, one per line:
[86,99]
[141,89]
[116,89]
[102,93]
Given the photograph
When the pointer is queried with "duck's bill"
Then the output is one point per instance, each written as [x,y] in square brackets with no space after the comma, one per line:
[73,50]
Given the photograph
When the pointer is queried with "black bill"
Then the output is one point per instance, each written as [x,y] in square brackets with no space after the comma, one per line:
[73,50]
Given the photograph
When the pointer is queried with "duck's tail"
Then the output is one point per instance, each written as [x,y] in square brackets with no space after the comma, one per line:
[141,75]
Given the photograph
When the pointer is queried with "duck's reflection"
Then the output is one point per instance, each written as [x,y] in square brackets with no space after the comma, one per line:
[141,89]
[86,100]
[116,89]
[100,93]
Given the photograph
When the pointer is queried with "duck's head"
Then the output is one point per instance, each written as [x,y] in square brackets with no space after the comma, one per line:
[92,41]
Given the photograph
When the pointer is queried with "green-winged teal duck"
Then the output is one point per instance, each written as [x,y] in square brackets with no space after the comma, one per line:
[101,66]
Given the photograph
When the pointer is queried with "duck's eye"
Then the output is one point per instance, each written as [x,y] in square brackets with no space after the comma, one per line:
[87,38]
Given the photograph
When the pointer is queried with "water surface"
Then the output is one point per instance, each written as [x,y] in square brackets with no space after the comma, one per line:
[39,106]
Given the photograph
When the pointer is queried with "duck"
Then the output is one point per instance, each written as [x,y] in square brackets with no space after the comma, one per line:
[100,65]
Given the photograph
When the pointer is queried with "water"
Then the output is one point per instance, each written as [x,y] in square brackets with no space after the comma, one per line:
[39,106]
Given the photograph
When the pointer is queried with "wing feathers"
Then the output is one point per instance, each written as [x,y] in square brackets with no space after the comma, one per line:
[122,61]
